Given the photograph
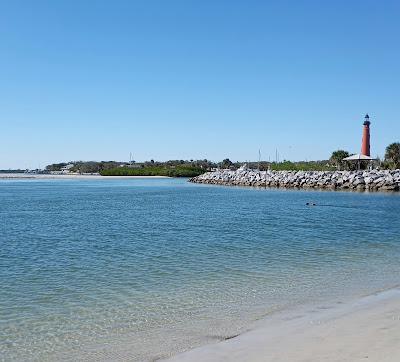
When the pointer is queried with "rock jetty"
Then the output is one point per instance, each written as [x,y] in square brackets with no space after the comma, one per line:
[371,180]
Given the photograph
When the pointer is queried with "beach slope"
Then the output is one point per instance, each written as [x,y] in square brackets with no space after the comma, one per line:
[367,329]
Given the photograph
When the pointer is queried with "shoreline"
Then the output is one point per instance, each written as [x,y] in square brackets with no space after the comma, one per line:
[19,176]
[367,327]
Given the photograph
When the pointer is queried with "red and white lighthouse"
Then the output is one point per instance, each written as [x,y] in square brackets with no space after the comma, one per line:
[365,145]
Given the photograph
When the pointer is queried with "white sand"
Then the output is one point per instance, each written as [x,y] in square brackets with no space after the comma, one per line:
[364,330]
[68,176]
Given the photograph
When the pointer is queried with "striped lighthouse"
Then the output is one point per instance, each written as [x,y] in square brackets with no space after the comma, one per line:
[365,145]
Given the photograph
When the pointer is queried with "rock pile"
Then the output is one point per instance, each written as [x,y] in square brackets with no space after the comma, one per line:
[373,180]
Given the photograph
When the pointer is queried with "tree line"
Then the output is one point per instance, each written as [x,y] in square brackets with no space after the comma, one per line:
[193,167]
[100,166]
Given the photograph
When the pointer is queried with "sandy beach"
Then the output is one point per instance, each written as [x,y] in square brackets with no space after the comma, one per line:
[367,329]
[68,176]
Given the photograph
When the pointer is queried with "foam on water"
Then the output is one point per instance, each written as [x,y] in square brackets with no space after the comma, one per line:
[140,269]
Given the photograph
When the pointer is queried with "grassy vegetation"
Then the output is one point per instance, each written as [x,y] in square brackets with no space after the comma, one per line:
[174,171]
[291,166]
[302,166]
[12,171]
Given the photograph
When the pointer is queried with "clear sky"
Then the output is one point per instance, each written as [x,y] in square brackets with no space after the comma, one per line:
[96,80]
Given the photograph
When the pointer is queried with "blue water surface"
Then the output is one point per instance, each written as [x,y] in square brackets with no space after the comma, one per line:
[136,269]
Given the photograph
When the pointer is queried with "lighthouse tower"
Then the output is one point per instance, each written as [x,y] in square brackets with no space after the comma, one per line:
[365,146]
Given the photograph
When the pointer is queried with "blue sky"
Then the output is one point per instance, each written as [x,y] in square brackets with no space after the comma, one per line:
[96,80]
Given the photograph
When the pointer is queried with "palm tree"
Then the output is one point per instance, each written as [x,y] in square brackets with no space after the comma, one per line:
[337,157]
[392,155]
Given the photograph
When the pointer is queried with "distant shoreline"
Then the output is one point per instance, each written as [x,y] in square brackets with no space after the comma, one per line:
[27,176]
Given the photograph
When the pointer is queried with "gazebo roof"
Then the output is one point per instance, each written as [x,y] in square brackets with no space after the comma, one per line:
[358,157]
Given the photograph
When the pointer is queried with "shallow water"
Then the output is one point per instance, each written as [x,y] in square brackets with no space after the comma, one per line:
[139,269]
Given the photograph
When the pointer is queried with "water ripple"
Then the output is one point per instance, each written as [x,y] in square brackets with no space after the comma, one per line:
[138,269]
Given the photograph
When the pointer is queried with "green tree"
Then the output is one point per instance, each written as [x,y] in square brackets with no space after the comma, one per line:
[55,166]
[337,158]
[392,155]
[227,163]
[89,167]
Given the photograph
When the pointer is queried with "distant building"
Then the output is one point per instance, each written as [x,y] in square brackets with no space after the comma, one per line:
[365,144]
[365,155]
[67,168]
[135,165]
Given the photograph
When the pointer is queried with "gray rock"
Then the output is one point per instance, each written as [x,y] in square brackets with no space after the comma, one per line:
[388,180]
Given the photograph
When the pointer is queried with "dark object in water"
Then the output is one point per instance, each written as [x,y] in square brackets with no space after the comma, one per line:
[310,204]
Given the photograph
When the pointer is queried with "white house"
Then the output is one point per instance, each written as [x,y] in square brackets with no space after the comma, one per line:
[67,168]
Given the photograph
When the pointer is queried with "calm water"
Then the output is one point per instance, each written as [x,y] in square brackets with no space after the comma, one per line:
[138,269]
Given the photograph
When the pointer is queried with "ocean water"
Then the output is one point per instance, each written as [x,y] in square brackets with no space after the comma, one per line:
[139,269]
